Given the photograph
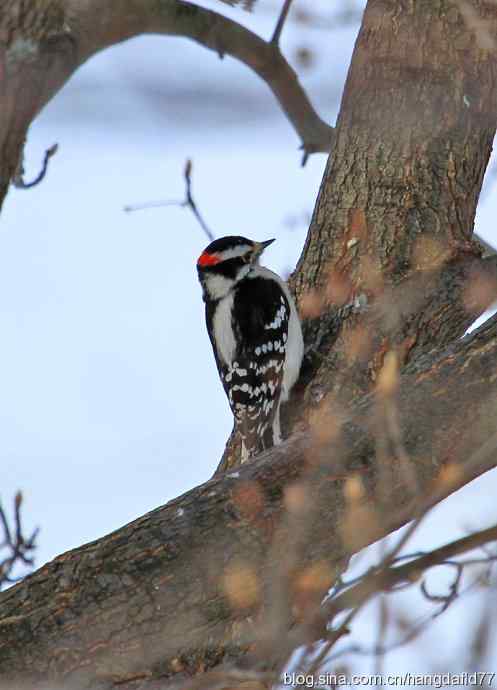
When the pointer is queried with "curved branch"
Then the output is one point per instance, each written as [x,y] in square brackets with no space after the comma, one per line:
[45,47]
[213,31]
[167,571]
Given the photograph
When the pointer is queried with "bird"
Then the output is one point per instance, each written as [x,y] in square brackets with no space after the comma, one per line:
[256,336]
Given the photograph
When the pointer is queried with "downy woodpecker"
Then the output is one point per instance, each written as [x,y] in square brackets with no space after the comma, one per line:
[256,336]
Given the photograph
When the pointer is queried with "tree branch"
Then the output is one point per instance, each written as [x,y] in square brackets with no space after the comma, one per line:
[187,202]
[384,579]
[213,31]
[43,45]
[275,39]
[166,570]
[20,548]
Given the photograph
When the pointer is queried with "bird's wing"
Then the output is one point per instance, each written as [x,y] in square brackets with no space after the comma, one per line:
[254,378]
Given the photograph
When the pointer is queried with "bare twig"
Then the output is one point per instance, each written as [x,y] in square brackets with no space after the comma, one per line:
[18,547]
[187,202]
[281,22]
[383,618]
[191,203]
[18,180]
[415,631]
[383,578]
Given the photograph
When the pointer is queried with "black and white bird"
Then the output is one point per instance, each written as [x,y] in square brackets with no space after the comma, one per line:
[256,336]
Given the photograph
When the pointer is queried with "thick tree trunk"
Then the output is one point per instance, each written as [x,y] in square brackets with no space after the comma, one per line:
[398,198]
[389,264]
[400,190]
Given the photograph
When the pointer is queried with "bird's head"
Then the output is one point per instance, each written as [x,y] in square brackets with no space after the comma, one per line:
[225,262]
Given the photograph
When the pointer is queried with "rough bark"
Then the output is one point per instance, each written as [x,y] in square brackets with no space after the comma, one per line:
[399,194]
[148,601]
[413,140]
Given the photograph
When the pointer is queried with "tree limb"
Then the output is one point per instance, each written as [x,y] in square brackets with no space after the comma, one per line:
[213,31]
[18,547]
[166,571]
[42,46]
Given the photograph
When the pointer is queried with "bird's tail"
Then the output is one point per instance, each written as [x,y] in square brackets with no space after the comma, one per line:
[259,429]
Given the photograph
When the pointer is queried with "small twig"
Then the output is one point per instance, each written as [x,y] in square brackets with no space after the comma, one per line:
[18,180]
[445,599]
[333,638]
[281,22]
[382,578]
[6,529]
[187,202]
[383,619]
[18,546]
[413,633]
[190,201]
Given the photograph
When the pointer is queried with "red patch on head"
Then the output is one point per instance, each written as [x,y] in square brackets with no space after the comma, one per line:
[207,259]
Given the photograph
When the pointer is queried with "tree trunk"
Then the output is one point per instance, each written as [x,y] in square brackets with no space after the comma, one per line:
[398,199]
[399,194]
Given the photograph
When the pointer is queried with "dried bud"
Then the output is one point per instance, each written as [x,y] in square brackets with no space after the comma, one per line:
[241,586]
[388,377]
[449,475]
[353,489]
[296,498]
[317,578]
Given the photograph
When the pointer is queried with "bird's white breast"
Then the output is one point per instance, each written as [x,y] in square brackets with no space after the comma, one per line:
[223,329]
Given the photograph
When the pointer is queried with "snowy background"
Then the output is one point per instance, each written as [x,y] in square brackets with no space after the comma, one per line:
[110,403]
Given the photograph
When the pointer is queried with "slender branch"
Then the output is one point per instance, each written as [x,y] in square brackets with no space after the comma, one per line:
[187,202]
[19,547]
[19,178]
[385,579]
[281,22]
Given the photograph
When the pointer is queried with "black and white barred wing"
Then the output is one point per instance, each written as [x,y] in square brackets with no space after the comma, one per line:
[253,381]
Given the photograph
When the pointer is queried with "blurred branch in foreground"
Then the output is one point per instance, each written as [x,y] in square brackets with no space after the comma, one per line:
[314,621]
[266,541]
[19,548]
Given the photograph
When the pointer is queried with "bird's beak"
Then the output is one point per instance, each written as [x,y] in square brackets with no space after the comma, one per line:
[260,247]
